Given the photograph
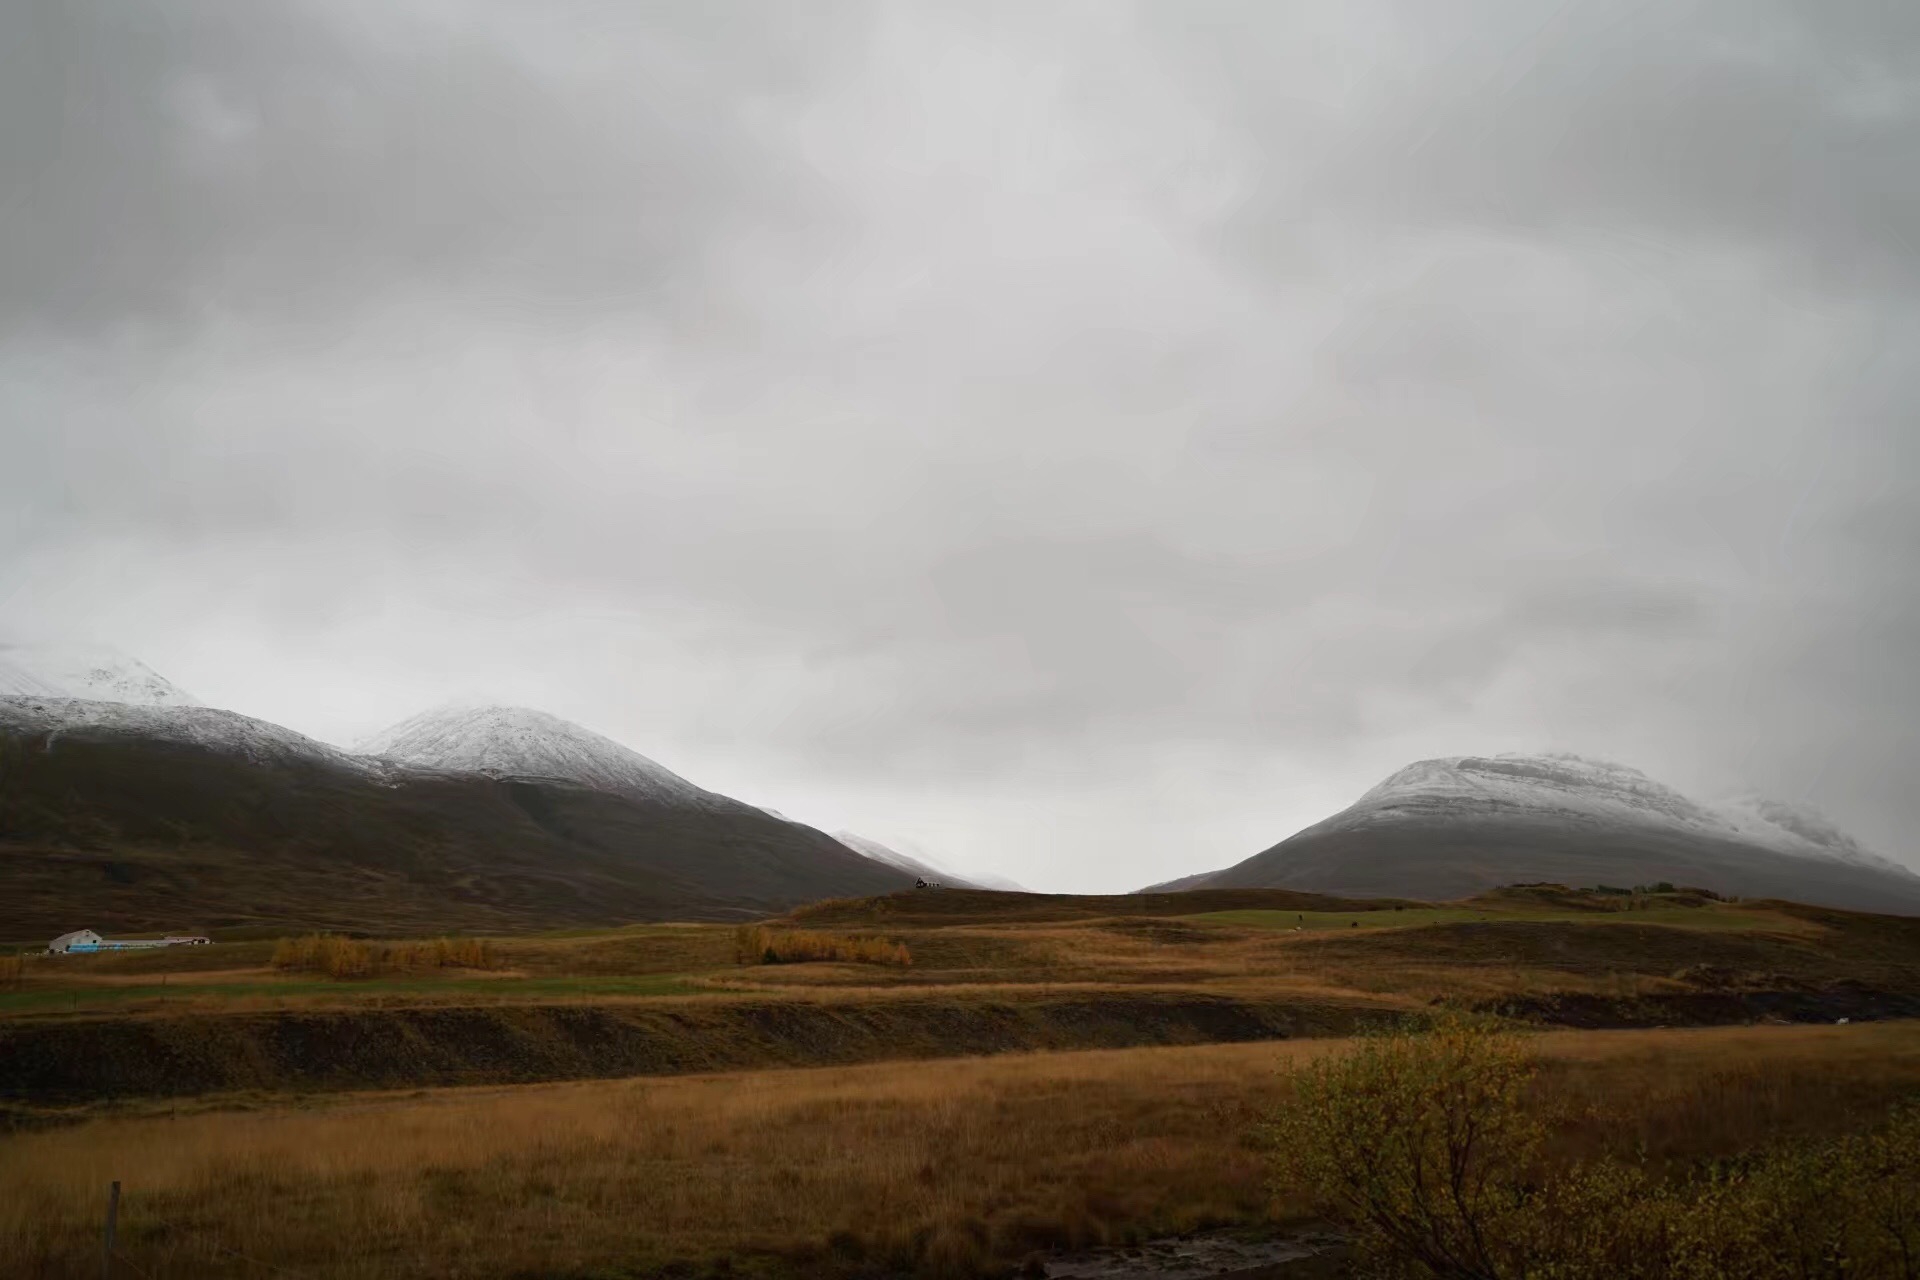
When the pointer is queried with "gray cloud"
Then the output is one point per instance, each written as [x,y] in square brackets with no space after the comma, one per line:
[281,160]
[1086,442]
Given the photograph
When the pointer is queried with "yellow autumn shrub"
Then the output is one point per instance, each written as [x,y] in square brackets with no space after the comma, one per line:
[341,957]
[1430,1148]
[758,944]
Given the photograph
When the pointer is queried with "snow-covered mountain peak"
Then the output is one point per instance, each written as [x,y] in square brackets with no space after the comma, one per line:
[519,742]
[1567,789]
[1557,781]
[206,727]
[92,673]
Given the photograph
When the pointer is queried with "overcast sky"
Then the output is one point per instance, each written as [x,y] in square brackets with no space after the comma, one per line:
[1085,442]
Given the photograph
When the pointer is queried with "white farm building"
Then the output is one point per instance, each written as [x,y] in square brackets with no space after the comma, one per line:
[86,940]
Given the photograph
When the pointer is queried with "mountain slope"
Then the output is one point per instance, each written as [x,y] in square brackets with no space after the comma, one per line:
[518,742]
[113,816]
[1802,829]
[923,869]
[50,720]
[1448,827]
[893,858]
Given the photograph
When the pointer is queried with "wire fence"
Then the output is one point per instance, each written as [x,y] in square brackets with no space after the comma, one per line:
[115,1263]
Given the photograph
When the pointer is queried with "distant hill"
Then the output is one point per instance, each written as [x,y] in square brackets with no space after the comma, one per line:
[1454,826]
[123,816]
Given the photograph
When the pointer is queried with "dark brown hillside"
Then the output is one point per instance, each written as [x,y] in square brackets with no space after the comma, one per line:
[114,831]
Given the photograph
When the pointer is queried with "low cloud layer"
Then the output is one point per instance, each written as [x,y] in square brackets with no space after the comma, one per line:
[1086,442]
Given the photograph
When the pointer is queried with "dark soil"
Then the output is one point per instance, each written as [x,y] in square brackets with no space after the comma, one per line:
[68,1061]
[1710,1008]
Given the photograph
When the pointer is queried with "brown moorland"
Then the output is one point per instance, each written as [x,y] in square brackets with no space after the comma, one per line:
[958,1167]
[988,972]
[1043,1073]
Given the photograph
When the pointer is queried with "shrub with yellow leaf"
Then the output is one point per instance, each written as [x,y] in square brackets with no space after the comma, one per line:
[341,957]
[1430,1148]
[758,944]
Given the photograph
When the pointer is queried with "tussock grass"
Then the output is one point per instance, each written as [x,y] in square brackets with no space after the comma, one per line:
[758,944]
[339,957]
[956,1167]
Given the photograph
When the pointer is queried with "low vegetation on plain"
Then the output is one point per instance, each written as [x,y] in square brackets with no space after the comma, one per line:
[758,944]
[341,957]
[964,1167]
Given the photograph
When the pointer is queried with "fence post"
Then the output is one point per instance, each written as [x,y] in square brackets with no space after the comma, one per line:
[113,1221]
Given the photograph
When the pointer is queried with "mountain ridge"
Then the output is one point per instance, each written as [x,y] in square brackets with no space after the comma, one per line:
[1454,825]
[132,817]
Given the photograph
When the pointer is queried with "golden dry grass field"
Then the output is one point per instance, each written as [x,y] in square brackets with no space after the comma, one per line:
[1022,1073]
[952,1167]
[1529,943]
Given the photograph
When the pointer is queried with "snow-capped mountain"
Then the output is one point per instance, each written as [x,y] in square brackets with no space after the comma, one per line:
[518,742]
[1572,787]
[97,673]
[1576,789]
[46,720]
[482,818]
[1457,824]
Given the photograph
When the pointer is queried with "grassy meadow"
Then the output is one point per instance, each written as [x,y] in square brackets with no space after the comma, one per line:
[959,1167]
[1257,943]
[947,1083]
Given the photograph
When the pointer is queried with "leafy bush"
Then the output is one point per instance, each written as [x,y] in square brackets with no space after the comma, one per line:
[1429,1148]
[757,944]
[1419,1143]
[340,957]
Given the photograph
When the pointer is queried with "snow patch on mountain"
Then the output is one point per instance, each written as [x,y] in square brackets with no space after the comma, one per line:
[894,858]
[227,732]
[94,673]
[1801,829]
[1572,787]
[918,864]
[519,742]
[1576,790]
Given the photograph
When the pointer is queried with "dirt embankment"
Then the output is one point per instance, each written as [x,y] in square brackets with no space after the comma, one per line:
[60,1062]
[1710,1008]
